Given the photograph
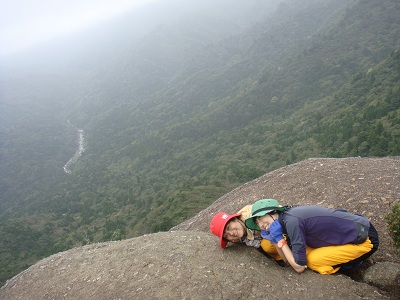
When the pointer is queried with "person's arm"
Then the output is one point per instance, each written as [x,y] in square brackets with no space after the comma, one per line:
[296,232]
[288,257]
[281,254]
[276,231]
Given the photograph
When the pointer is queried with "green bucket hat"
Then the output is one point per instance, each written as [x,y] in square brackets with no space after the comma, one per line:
[261,208]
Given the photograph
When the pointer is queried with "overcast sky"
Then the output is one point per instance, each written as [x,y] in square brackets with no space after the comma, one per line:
[24,23]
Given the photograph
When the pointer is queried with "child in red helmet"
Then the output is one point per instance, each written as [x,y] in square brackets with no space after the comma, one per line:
[231,228]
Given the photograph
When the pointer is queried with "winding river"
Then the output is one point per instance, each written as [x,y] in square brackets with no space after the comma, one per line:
[78,152]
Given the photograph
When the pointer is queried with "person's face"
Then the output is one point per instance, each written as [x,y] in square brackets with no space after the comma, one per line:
[264,222]
[234,231]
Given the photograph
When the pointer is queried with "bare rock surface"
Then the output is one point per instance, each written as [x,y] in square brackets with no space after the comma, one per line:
[385,275]
[187,262]
[174,265]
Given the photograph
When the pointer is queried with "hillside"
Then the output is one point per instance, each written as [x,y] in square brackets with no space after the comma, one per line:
[180,113]
[187,262]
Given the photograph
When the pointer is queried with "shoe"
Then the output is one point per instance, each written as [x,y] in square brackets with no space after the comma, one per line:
[350,266]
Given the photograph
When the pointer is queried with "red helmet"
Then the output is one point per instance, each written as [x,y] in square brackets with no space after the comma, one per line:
[218,223]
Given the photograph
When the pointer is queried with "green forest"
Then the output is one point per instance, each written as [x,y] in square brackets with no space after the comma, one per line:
[178,118]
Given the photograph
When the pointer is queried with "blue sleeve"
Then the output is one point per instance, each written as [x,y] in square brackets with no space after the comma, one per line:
[295,231]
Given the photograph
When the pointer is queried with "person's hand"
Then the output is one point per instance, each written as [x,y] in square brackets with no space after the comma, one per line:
[275,229]
[268,236]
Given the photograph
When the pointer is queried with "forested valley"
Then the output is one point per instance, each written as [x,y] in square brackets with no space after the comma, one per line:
[184,111]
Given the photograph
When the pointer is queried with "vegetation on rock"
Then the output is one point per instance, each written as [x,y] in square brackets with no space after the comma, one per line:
[393,222]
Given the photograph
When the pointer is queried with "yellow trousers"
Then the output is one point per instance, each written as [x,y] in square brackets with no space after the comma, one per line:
[270,248]
[323,260]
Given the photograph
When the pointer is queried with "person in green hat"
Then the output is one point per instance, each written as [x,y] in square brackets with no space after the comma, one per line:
[324,239]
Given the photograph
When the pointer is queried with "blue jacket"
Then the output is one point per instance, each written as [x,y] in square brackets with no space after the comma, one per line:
[317,226]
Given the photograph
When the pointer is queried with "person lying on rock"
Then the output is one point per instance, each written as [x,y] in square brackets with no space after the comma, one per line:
[231,228]
[324,239]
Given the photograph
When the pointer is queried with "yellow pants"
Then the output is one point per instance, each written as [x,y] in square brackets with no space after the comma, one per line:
[323,260]
[270,248]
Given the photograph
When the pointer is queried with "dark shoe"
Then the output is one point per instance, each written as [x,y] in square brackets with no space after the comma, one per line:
[282,263]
